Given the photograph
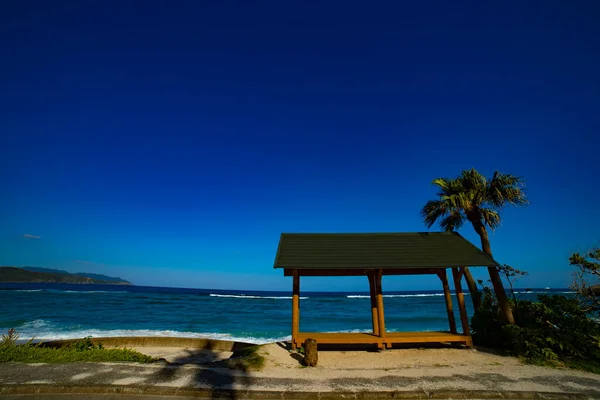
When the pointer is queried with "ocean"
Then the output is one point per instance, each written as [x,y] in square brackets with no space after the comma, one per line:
[62,311]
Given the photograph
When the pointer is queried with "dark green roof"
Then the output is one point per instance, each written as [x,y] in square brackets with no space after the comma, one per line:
[378,250]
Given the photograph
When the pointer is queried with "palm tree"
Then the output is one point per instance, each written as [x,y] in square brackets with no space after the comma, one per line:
[473,198]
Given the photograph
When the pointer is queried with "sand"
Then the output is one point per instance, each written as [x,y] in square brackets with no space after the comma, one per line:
[411,369]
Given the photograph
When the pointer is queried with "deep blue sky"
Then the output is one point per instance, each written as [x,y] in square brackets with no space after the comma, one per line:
[170,143]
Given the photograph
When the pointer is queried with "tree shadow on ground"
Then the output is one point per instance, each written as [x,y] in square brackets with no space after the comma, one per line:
[209,369]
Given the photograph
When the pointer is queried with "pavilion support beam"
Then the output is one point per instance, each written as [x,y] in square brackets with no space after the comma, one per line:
[373,295]
[457,274]
[444,278]
[295,309]
[380,314]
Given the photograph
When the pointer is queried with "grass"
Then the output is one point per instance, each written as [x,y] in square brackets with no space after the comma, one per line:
[247,359]
[80,351]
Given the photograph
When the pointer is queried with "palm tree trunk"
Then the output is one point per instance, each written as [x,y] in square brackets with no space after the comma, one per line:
[475,294]
[494,274]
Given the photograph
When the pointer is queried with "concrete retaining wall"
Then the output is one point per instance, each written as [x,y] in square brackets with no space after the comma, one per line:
[158,341]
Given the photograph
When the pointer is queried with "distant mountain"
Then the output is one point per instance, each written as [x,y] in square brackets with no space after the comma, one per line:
[101,277]
[28,274]
[98,277]
[48,270]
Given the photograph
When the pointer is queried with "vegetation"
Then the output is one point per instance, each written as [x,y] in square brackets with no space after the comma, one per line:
[13,274]
[587,280]
[80,351]
[512,275]
[98,277]
[554,331]
[473,198]
[247,359]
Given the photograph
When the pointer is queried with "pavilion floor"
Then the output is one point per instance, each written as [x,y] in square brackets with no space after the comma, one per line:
[388,340]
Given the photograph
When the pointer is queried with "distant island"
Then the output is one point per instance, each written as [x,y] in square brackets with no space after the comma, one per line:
[48,275]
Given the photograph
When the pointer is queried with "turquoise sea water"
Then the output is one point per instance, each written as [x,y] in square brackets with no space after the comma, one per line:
[60,311]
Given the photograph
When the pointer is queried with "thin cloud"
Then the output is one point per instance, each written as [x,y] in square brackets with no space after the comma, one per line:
[28,236]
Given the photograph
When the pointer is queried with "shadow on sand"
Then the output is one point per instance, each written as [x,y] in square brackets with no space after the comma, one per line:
[212,370]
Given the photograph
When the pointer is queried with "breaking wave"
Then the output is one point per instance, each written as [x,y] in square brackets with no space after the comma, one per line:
[243,296]
[397,295]
[41,330]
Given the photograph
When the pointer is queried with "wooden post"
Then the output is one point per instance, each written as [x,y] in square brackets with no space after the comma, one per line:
[444,278]
[295,309]
[373,294]
[311,356]
[380,315]
[464,319]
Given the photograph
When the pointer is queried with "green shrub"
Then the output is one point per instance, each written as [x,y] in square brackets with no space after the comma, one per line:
[554,330]
[247,359]
[80,351]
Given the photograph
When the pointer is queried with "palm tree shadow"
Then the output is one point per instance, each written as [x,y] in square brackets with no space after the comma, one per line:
[222,376]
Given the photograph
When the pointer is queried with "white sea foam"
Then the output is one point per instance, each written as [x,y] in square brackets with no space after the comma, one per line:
[398,295]
[543,292]
[243,296]
[35,324]
[353,331]
[387,329]
[24,290]
[42,330]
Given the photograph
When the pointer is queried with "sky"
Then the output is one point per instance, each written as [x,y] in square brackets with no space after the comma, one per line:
[171,143]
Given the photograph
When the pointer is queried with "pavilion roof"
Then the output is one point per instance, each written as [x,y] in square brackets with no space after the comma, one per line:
[394,250]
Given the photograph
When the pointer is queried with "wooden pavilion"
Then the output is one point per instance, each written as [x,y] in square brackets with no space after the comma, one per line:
[374,255]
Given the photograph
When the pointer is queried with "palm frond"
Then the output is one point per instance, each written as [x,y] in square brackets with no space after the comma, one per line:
[472,195]
[459,197]
[506,189]
[432,211]
[491,218]
[453,221]
[444,184]
[473,185]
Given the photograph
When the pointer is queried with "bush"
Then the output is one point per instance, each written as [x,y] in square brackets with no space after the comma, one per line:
[247,359]
[80,351]
[587,280]
[554,330]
